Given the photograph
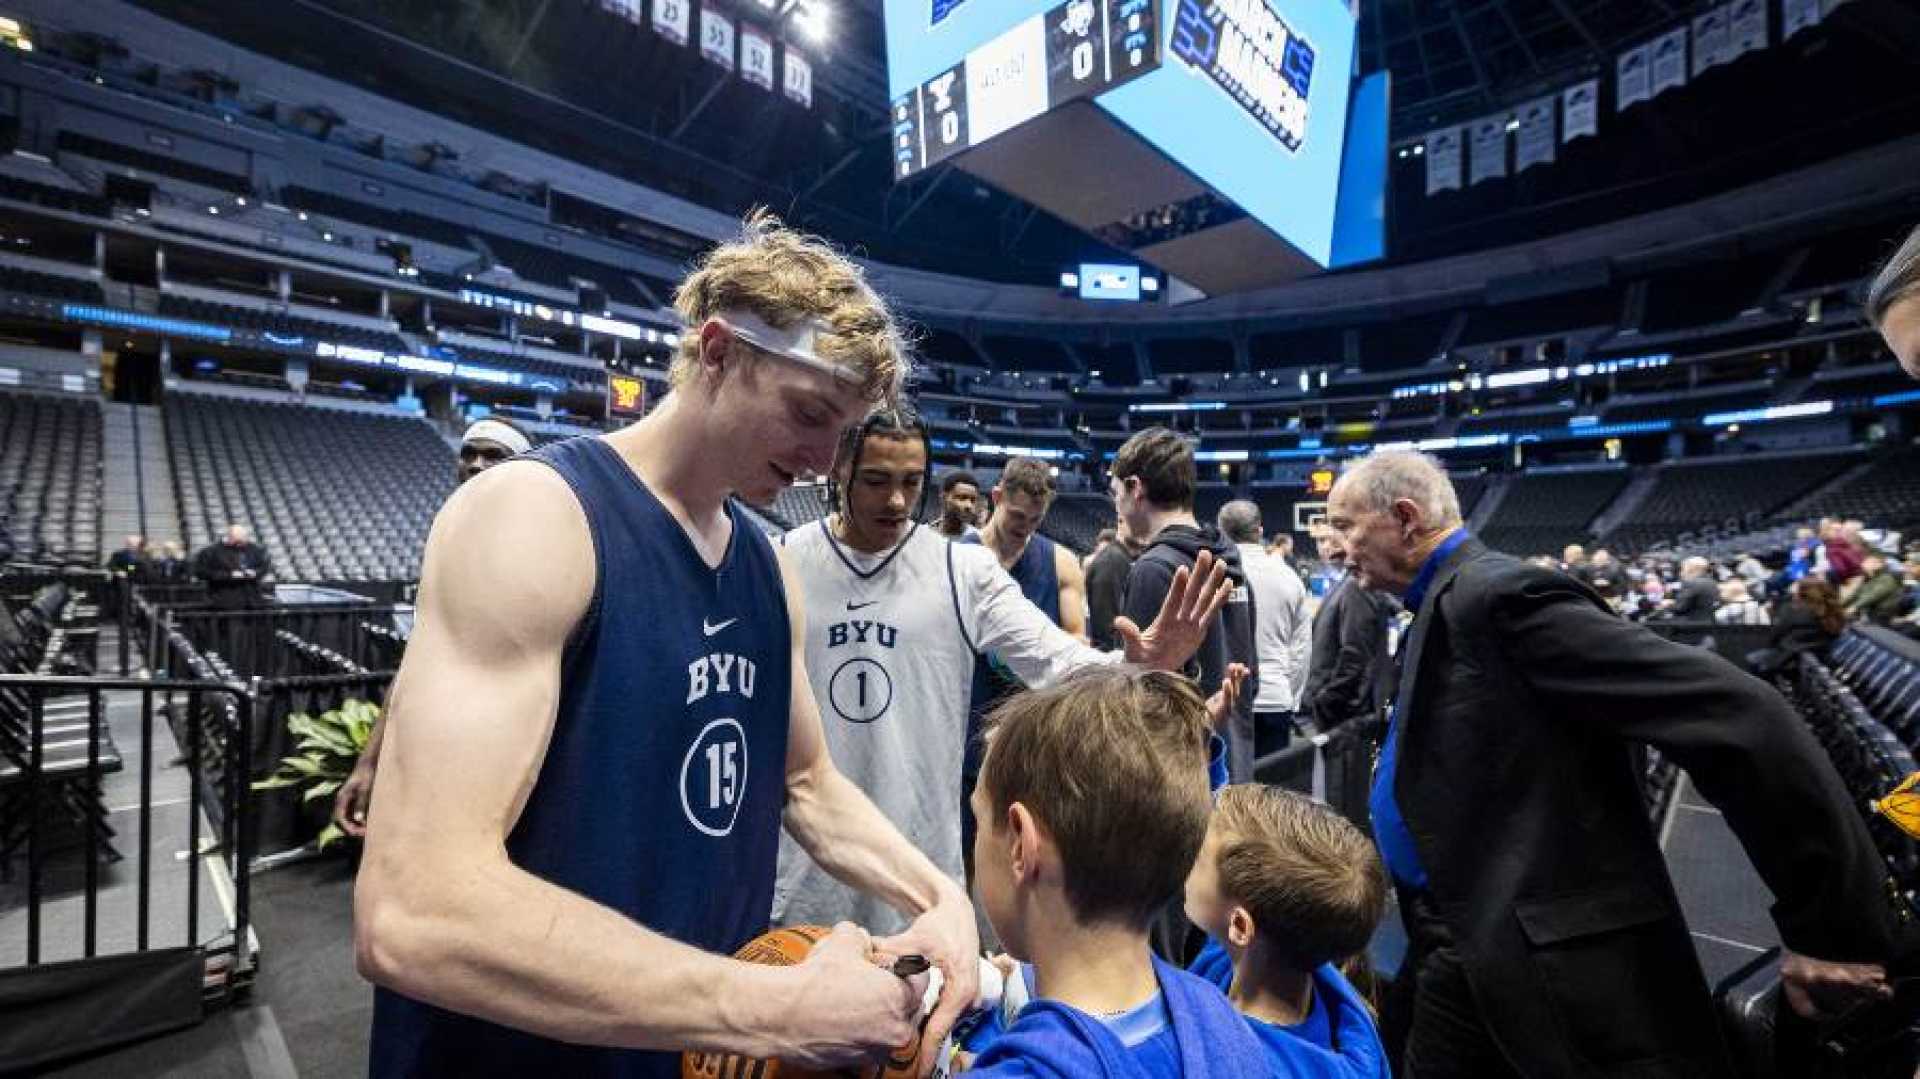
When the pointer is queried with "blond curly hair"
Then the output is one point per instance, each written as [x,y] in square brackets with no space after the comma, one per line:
[785,276]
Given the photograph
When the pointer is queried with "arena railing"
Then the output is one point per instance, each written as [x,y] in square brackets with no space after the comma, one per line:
[94,957]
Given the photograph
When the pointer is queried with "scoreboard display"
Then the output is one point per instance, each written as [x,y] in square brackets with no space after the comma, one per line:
[1255,99]
[1076,49]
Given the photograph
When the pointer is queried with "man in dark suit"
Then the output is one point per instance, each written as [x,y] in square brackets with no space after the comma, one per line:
[1545,939]
[1698,596]
[1349,644]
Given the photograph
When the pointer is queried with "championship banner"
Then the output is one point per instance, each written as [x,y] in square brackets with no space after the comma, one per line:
[716,38]
[1534,145]
[797,79]
[1443,160]
[1580,108]
[1798,15]
[1633,77]
[1489,161]
[756,56]
[1746,28]
[1669,61]
[673,19]
[1709,39]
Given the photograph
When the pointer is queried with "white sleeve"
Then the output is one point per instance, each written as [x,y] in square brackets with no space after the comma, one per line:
[1001,620]
[1299,640]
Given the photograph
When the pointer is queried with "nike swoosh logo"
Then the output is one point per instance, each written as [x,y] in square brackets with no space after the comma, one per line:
[852,606]
[709,629]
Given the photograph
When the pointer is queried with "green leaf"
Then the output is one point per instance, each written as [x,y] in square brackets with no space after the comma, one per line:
[278,780]
[321,790]
[328,835]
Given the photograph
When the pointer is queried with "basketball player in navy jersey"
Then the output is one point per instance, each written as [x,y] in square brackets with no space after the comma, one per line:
[896,617]
[1048,575]
[603,722]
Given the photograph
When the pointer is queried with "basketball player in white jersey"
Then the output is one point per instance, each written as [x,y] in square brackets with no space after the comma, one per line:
[896,615]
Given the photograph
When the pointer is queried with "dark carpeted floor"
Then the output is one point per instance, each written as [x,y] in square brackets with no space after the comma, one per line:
[308,1013]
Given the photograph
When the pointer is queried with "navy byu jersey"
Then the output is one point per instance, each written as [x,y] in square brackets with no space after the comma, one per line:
[662,788]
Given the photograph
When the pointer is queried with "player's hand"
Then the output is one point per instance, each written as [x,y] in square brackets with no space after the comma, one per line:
[1220,706]
[350,802]
[1185,616]
[950,938]
[842,1009]
[1818,989]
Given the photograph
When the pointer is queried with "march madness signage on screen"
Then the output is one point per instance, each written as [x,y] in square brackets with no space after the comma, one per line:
[1249,52]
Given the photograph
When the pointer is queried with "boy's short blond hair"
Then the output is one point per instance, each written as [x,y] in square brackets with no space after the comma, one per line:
[1311,880]
[1112,763]
[785,277]
[1028,476]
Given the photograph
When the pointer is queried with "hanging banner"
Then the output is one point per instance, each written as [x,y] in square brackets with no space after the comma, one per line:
[1489,160]
[756,56]
[1709,39]
[626,9]
[1443,160]
[716,38]
[1580,108]
[1746,28]
[1798,15]
[673,19]
[1633,73]
[1669,61]
[1534,144]
[797,78]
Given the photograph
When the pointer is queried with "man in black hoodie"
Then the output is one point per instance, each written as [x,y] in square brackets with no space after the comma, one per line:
[1152,482]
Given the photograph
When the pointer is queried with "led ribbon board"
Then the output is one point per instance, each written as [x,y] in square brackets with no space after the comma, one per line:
[1073,50]
[1251,54]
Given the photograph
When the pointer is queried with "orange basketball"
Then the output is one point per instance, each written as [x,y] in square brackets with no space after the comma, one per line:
[784,948]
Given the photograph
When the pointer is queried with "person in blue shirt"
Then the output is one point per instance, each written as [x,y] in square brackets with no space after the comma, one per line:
[1093,802]
[1286,888]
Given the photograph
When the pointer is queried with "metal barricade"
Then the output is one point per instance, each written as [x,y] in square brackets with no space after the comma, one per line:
[63,969]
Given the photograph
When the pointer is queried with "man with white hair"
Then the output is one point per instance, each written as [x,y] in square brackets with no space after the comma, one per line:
[1893,303]
[1698,596]
[1544,935]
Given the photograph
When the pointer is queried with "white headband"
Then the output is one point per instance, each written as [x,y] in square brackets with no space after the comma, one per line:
[796,343]
[496,432]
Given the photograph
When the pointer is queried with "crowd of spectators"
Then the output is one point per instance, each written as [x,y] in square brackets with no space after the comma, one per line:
[1835,573]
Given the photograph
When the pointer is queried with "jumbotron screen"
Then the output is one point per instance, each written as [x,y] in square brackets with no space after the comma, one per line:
[1248,96]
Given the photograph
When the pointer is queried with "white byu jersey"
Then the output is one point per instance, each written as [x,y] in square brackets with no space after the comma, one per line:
[890,646]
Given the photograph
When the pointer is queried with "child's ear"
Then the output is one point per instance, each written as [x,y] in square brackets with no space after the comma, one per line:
[1240,927]
[1023,841]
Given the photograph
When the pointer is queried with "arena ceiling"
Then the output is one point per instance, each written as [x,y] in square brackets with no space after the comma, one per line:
[681,125]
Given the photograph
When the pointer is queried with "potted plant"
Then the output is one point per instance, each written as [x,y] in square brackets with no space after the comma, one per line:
[330,745]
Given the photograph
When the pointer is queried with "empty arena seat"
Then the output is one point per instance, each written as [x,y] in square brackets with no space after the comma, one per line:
[275,322]
[331,494]
[1688,497]
[56,286]
[50,476]
[1076,518]
[1544,511]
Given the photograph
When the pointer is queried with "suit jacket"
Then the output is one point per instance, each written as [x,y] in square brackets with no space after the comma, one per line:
[1520,701]
[1349,641]
[1696,601]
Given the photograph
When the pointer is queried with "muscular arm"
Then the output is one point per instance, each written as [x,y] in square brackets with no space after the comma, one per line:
[440,913]
[1073,592]
[1740,743]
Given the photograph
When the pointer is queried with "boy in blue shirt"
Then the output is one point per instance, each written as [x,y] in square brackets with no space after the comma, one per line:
[1285,888]
[1092,802]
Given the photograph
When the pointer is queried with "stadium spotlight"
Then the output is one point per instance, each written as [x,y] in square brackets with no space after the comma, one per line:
[809,17]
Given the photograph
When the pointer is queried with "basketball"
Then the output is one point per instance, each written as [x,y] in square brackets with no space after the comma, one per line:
[784,948]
